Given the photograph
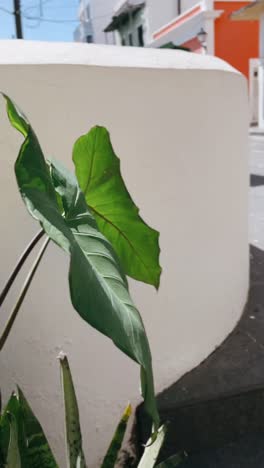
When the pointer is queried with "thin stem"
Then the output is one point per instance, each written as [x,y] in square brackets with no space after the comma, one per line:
[19,265]
[22,295]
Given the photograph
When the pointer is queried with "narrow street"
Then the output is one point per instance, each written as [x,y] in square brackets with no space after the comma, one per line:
[256,194]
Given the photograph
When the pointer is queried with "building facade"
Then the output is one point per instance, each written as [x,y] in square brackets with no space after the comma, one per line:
[135,21]
[179,22]
[129,23]
[233,42]
[254,12]
[94,15]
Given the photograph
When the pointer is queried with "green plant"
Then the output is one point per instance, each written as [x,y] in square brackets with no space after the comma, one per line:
[69,217]
[93,219]
[23,443]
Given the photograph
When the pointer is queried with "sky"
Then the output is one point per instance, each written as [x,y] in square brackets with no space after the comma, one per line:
[57,19]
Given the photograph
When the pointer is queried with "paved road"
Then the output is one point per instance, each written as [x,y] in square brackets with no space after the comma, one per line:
[256,195]
[257,155]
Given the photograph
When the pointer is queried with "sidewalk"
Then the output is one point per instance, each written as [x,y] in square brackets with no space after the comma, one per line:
[256,193]
[256,131]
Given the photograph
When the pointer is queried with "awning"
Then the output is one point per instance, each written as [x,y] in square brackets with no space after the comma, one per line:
[251,12]
[124,15]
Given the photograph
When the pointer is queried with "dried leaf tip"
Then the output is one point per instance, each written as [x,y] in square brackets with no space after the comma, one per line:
[61,356]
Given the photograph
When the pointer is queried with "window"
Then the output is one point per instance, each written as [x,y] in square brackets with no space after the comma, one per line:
[140,36]
[123,41]
[130,39]
[89,38]
[179,7]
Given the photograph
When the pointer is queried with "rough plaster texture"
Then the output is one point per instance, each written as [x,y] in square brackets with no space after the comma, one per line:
[179,124]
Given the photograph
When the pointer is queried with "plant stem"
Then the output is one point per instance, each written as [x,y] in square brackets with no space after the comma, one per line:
[19,265]
[22,295]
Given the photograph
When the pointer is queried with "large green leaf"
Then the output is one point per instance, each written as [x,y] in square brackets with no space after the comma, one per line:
[99,177]
[152,450]
[111,456]
[72,422]
[98,287]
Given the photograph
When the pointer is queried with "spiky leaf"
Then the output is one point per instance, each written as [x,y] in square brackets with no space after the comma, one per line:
[152,450]
[12,407]
[72,421]
[38,451]
[13,455]
[33,446]
[116,443]
[98,287]
[99,177]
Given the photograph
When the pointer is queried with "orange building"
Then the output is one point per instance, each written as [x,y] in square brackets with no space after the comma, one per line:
[254,12]
[234,42]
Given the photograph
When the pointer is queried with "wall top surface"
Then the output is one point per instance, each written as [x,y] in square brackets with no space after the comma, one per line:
[20,52]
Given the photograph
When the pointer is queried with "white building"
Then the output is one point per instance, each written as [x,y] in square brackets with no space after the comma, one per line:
[148,23]
[129,23]
[94,15]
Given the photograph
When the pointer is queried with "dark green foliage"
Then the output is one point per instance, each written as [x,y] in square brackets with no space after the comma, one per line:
[116,443]
[22,437]
[13,459]
[72,422]
[172,462]
[38,450]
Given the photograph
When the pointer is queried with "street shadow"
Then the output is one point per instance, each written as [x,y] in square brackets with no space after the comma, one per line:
[219,402]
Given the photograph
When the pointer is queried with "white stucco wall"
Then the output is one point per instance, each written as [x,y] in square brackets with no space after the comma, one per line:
[179,124]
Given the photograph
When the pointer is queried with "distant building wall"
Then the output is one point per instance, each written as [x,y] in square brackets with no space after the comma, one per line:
[158,14]
[235,42]
[130,29]
[102,11]
[186,4]
[94,16]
